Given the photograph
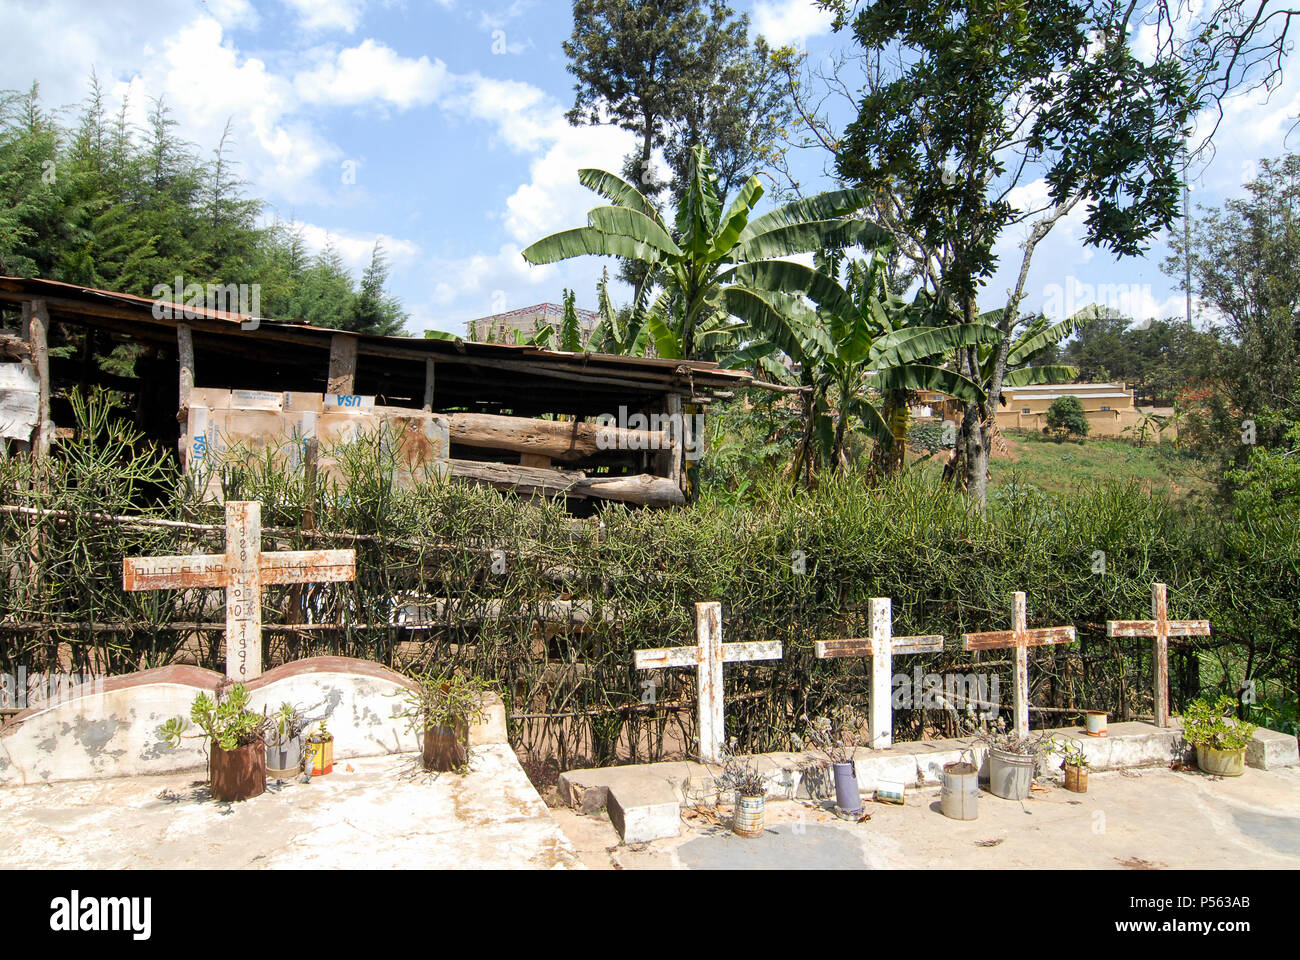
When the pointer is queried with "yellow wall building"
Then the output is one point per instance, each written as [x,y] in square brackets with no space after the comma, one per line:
[1108,406]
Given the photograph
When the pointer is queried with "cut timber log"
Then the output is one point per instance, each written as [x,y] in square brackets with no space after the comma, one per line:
[643,489]
[556,439]
[13,349]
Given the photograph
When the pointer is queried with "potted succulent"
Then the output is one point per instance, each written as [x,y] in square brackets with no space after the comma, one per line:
[236,738]
[1220,738]
[838,736]
[1074,761]
[284,742]
[1012,761]
[440,709]
[320,751]
[742,779]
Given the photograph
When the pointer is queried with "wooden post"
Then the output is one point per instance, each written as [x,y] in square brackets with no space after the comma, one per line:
[881,647]
[243,570]
[1160,628]
[185,360]
[707,656]
[1019,638]
[343,365]
[428,385]
[38,339]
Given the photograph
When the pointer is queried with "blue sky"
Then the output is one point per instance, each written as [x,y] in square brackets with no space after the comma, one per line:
[438,127]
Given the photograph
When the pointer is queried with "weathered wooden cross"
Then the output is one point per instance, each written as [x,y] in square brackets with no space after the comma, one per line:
[881,647]
[1019,638]
[707,656]
[1161,628]
[243,570]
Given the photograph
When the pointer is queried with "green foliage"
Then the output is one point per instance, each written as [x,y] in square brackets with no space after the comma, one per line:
[1215,725]
[444,698]
[1065,417]
[107,205]
[697,259]
[226,721]
[677,74]
[1070,751]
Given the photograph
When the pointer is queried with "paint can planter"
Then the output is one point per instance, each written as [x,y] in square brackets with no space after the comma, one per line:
[1096,720]
[320,753]
[1221,763]
[238,774]
[1076,779]
[284,759]
[960,796]
[446,748]
[1010,774]
[748,818]
[889,791]
[847,795]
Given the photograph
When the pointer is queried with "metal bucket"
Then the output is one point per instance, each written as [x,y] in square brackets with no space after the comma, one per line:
[320,754]
[284,760]
[961,791]
[1076,779]
[847,795]
[748,819]
[1096,720]
[238,774]
[1221,763]
[1010,774]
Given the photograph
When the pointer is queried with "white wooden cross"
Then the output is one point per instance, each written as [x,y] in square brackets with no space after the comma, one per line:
[1019,638]
[243,570]
[707,656]
[1161,628]
[881,647]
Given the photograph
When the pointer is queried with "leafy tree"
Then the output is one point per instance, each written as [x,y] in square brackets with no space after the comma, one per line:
[372,310]
[707,243]
[970,99]
[676,73]
[854,339]
[1065,417]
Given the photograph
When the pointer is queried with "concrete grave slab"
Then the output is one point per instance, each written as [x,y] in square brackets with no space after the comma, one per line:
[112,731]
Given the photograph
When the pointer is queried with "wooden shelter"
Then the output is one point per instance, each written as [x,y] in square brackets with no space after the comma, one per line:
[515,412]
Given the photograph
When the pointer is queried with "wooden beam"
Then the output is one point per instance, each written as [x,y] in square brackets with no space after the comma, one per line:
[185,361]
[343,365]
[428,385]
[642,489]
[555,439]
[38,326]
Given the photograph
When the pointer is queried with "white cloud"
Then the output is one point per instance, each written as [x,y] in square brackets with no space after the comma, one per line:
[784,22]
[319,15]
[370,72]
[355,248]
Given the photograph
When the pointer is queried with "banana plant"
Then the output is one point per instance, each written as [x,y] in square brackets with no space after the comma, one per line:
[848,340]
[698,254]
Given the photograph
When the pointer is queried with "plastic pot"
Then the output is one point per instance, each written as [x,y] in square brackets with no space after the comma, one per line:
[748,819]
[284,758]
[446,747]
[847,795]
[1221,763]
[1010,774]
[960,796]
[1076,779]
[1096,723]
[238,774]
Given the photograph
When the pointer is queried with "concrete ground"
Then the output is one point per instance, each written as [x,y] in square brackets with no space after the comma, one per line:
[1148,819]
[374,813]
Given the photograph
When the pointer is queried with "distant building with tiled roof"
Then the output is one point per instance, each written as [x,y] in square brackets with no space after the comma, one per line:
[501,327]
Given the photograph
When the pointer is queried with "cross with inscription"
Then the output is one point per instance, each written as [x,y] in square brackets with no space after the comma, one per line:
[1161,628]
[1019,638]
[243,570]
[707,656]
[881,648]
